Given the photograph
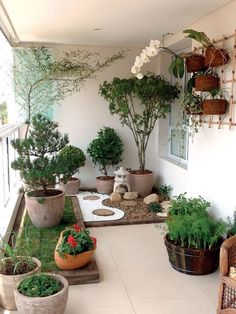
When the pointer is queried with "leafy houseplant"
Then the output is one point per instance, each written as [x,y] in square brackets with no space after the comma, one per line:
[106,150]
[44,293]
[75,248]
[193,235]
[215,102]
[165,192]
[40,166]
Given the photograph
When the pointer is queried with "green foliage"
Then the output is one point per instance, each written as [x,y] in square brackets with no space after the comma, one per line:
[39,285]
[232,225]
[106,150]
[155,207]
[192,103]
[3,113]
[41,80]
[72,156]
[201,37]
[165,191]
[190,225]
[177,67]
[139,103]
[38,162]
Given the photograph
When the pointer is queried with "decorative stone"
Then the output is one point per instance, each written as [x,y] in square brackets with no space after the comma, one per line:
[121,179]
[162,215]
[165,205]
[115,197]
[91,198]
[128,203]
[121,189]
[151,198]
[103,212]
[131,195]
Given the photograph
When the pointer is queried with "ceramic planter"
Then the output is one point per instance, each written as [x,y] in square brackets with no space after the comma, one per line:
[48,212]
[192,261]
[195,63]
[105,184]
[54,304]
[214,106]
[71,187]
[141,183]
[70,262]
[8,283]
[205,83]
[215,57]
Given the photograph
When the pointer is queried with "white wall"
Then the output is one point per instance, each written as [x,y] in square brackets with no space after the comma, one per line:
[83,114]
[212,155]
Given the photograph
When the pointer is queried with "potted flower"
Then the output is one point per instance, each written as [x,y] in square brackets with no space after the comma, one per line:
[106,150]
[74,249]
[74,156]
[40,166]
[15,264]
[42,293]
[194,238]
[139,103]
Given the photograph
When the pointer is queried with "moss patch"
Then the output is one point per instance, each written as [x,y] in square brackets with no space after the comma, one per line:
[42,241]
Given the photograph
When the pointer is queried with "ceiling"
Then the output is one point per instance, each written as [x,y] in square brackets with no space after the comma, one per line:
[120,23]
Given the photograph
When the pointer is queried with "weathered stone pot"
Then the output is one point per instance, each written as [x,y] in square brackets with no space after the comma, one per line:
[54,304]
[69,262]
[104,184]
[141,183]
[71,187]
[214,106]
[8,283]
[192,261]
[45,211]
[215,57]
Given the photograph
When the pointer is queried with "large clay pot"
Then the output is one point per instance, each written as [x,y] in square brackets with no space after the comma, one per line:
[8,283]
[71,187]
[214,106]
[141,183]
[69,262]
[105,184]
[192,261]
[215,57]
[53,304]
[195,63]
[45,211]
[205,83]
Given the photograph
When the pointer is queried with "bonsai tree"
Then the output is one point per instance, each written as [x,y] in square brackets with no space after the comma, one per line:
[139,103]
[106,150]
[39,163]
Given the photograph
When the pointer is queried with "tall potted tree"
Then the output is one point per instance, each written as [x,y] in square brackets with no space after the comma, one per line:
[40,166]
[139,103]
[106,150]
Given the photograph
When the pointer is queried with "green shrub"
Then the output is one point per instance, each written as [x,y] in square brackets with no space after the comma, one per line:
[40,285]
[165,191]
[155,207]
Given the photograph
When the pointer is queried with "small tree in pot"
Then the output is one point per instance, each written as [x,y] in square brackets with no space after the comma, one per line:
[106,150]
[40,166]
[139,103]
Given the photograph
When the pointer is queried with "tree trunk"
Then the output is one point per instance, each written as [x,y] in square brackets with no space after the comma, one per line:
[141,157]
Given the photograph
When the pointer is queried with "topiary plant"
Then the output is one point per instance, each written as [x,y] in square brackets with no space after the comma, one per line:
[106,150]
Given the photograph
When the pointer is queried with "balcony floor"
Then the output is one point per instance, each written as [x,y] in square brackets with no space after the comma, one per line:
[136,277]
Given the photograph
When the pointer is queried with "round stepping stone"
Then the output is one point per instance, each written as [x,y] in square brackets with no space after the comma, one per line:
[128,203]
[91,198]
[103,212]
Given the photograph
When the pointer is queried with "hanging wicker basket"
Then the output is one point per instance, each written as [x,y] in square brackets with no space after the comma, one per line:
[215,57]
[214,106]
[205,83]
[195,63]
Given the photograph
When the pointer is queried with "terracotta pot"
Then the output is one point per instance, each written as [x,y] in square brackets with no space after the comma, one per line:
[215,57]
[71,187]
[141,183]
[105,184]
[214,106]
[47,213]
[206,82]
[70,262]
[8,283]
[53,304]
[192,261]
[195,63]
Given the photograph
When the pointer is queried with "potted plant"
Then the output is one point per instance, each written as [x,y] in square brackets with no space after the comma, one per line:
[40,166]
[139,103]
[106,150]
[214,102]
[204,81]
[214,56]
[15,264]
[75,156]
[195,62]
[42,293]
[194,237]
[164,192]
[74,249]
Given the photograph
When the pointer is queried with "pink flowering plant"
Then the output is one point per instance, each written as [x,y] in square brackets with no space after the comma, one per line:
[76,241]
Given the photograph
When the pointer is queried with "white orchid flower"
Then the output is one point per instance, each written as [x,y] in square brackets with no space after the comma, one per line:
[155,43]
[134,69]
[138,62]
[151,51]
[144,57]
[139,75]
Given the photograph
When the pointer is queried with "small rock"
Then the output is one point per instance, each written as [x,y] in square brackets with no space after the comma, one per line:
[165,205]
[131,195]
[115,197]
[151,198]
[121,190]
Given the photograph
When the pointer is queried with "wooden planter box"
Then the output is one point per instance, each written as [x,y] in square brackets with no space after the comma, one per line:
[214,106]
[205,83]
[215,57]
[195,63]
